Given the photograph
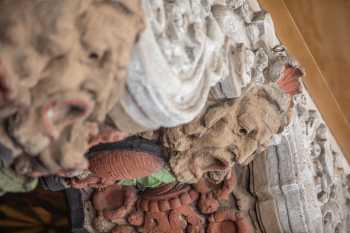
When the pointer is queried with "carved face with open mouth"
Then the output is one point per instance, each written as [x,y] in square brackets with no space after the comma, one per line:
[62,66]
[258,118]
[229,132]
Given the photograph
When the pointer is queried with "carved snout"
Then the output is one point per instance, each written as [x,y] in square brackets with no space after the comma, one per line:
[58,114]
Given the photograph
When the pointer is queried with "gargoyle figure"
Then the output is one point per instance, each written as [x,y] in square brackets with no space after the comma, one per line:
[128,159]
[62,65]
[228,132]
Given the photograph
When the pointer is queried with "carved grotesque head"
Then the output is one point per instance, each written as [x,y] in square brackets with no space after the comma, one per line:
[229,132]
[259,115]
[62,64]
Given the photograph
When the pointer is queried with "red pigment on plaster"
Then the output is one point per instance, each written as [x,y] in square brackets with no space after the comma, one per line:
[109,166]
[229,221]
[115,201]
[289,82]
[168,209]
[124,164]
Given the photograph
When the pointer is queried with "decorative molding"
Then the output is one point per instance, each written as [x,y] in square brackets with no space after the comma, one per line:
[314,80]
[302,184]
[195,46]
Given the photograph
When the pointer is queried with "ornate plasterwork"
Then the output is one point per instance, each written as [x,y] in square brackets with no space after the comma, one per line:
[301,183]
[62,68]
[189,48]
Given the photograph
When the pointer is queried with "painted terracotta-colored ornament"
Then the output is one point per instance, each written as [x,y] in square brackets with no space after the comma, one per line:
[213,194]
[129,159]
[122,229]
[229,221]
[168,209]
[208,203]
[124,164]
[115,201]
[289,82]
[178,196]
[158,222]
[194,222]
[228,186]
[136,218]
[182,219]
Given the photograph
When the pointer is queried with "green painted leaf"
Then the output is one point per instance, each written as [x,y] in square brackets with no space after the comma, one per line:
[148,182]
[152,181]
[164,176]
[128,182]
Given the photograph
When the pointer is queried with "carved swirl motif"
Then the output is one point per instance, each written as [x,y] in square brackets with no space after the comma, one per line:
[189,47]
[312,175]
[160,202]
[167,209]
[228,221]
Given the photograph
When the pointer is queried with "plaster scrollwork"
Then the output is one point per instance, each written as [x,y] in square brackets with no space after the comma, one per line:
[310,192]
[196,47]
[223,48]
[185,43]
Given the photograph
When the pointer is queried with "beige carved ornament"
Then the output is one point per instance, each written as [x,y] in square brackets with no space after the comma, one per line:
[311,192]
[227,133]
[62,68]
[191,48]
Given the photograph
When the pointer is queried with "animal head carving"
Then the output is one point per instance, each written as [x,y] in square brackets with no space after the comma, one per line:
[228,132]
[62,63]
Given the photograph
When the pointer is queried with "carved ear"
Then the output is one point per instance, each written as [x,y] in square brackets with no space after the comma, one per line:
[214,114]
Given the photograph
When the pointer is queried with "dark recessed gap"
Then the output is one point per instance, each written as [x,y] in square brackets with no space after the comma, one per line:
[93,56]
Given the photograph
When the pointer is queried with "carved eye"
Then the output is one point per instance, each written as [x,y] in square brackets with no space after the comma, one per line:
[243,131]
[247,132]
[246,124]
